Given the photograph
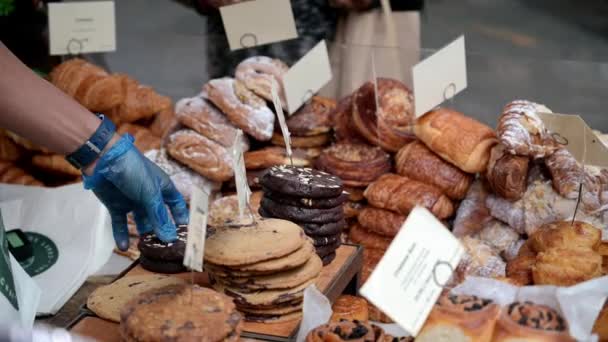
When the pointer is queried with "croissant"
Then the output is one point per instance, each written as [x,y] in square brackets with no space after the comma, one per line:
[9,150]
[11,174]
[90,85]
[139,102]
[163,122]
[507,174]
[56,164]
[567,174]
[401,194]
[522,132]
[144,139]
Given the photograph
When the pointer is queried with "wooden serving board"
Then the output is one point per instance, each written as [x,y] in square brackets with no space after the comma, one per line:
[333,280]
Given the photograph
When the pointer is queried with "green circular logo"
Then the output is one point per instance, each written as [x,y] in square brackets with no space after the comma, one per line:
[45,254]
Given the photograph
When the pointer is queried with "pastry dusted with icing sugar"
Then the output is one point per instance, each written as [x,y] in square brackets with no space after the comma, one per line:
[244,109]
[258,74]
[522,132]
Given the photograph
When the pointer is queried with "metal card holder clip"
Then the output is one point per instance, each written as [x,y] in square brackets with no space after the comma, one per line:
[248,37]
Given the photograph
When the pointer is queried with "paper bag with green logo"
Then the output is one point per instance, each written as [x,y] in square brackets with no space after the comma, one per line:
[19,294]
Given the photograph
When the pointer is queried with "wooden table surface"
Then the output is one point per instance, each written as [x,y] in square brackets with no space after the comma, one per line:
[332,281]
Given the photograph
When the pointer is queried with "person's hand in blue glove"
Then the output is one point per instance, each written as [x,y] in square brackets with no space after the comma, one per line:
[125,181]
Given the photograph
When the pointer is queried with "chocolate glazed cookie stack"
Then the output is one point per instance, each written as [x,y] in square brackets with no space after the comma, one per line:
[310,198]
[264,268]
[160,257]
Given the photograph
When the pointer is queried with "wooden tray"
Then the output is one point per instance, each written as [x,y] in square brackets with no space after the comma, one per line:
[342,275]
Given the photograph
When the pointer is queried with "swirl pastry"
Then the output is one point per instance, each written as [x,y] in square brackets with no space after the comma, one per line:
[390,125]
[198,114]
[243,108]
[460,318]
[349,308]
[208,158]
[507,174]
[380,221]
[356,165]
[312,119]
[342,122]
[401,194]
[417,162]
[259,72]
[522,132]
[352,331]
[526,321]
[274,155]
[459,139]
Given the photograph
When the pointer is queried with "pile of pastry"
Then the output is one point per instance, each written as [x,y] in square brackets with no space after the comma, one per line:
[134,108]
[264,266]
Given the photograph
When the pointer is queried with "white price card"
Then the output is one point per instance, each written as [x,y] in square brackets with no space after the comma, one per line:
[440,76]
[411,275]
[307,77]
[197,229]
[240,174]
[258,22]
[572,132]
[82,27]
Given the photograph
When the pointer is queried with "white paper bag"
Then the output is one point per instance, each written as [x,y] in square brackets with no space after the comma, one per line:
[72,227]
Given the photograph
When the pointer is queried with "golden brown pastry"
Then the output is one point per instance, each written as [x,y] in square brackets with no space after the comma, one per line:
[140,102]
[163,123]
[522,132]
[274,155]
[566,234]
[417,162]
[460,318]
[243,108]
[507,174]
[25,143]
[90,85]
[401,194]
[459,139]
[11,174]
[349,308]
[520,269]
[198,114]
[342,122]
[391,125]
[356,164]
[368,239]
[526,321]
[145,140]
[352,209]
[566,173]
[55,164]
[313,118]
[566,267]
[9,150]
[603,251]
[601,324]
[203,155]
[371,258]
[354,194]
[472,213]
[258,74]
[380,221]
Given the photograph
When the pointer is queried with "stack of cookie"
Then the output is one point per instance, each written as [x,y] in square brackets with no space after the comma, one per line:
[160,257]
[313,199]
[310,126]
[181,313]
[264,267]
[357,165]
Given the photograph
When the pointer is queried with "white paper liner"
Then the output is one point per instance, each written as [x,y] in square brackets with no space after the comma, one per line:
[579,304]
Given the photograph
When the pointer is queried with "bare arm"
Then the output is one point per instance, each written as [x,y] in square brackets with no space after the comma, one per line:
[36,110]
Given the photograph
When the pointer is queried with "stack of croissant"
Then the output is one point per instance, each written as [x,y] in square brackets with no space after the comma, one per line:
[134,108]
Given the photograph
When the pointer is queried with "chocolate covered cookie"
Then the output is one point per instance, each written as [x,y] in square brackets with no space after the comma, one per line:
[323,229]
[315,203]
[300,214]
[152,248]
[320,241]
[161,266]
[328,258]
[324,251]
[303,182]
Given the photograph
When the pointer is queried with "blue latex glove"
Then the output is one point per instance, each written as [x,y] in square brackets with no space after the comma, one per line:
[125,181]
